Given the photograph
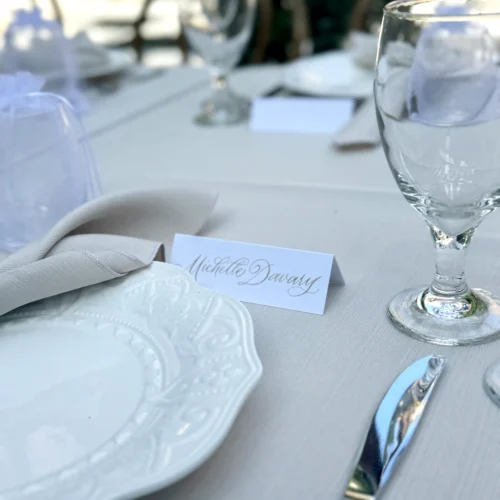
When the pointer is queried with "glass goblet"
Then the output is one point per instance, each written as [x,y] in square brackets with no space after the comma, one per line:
[219,31]
[437,96]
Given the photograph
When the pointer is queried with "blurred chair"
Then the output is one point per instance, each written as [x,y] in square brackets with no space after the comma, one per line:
[367,15]
[359,15]
[281,32]
[138,40]
[329,22]
[290,29]
[301,33]
[262,32]
[56,9]
[57,12]
[259,43]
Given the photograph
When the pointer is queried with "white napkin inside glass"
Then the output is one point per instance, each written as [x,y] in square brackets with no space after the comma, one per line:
[363,48]
[454,75]
[101,240]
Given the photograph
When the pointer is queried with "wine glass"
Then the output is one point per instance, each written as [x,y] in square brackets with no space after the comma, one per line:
[437,95]
[219,30]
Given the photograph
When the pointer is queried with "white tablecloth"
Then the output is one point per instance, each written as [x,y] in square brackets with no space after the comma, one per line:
[166,140]
[136,97]
[298,434]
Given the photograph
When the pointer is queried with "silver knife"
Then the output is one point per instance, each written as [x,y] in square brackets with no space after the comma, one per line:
[393,426]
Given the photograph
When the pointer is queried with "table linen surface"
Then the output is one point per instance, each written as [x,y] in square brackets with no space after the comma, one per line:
[135,97]
[298,435]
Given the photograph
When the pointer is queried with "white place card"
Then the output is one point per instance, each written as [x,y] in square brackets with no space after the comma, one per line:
[301,115]
[273,276]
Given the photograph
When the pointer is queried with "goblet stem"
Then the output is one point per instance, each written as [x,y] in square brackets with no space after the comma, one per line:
[448,312]
[223,107]
[219,81]
[451,251]
[449,296]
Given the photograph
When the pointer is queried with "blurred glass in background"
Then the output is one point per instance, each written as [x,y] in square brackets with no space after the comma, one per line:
[46,165]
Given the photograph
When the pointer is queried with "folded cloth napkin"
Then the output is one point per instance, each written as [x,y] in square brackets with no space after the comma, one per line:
[363,48]
[101,240]
[362,131]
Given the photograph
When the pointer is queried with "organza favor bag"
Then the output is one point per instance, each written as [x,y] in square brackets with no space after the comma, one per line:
[46,165]
[39,46]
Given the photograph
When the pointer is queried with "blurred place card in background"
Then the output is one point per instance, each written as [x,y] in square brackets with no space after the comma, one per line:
[301,115]
[273,276]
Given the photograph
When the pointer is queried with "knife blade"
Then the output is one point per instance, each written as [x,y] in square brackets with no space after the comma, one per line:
[393,427]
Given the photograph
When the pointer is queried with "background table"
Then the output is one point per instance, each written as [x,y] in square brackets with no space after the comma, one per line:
[166,139]
[298,434]
[136,97]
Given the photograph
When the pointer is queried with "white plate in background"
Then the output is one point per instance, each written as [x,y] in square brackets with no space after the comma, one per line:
[330,74]
[117,62]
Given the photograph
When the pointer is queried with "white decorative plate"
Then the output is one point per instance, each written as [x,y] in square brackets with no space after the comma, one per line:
[121,388]
[330,74]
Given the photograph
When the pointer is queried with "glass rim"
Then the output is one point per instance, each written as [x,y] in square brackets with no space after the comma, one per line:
[394,9]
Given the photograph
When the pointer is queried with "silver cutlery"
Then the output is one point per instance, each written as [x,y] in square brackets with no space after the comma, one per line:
[491,382]
[393,427]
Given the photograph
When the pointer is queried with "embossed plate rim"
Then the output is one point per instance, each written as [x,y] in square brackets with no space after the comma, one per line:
[230,415]
[209,438]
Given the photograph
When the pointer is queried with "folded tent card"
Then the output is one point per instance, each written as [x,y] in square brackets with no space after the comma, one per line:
[301,115]
[260,274]
[334,117]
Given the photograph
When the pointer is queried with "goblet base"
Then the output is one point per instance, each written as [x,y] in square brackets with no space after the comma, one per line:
[470,319]
[224,108]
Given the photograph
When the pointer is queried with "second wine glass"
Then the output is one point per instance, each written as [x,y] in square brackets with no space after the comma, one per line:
[437,94]
[219,31]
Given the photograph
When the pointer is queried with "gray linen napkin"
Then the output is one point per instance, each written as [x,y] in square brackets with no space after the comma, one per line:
[101,240]
[362,131]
